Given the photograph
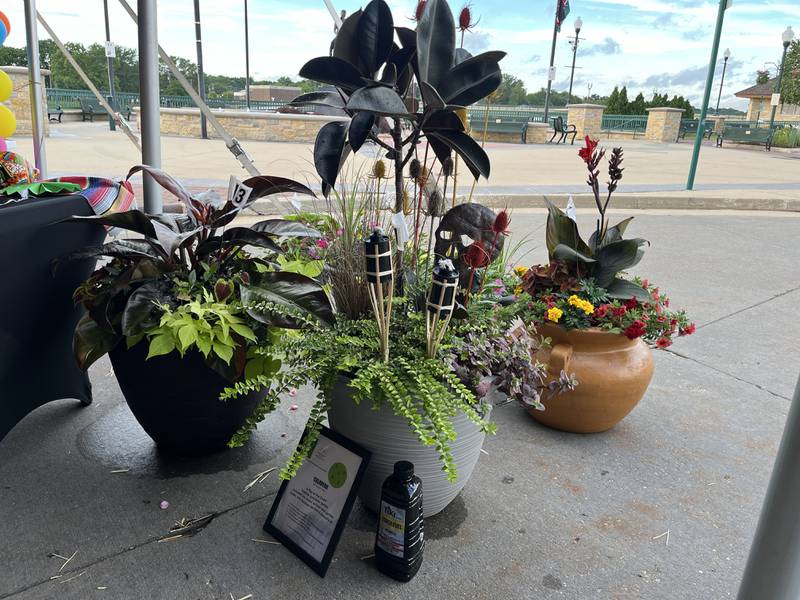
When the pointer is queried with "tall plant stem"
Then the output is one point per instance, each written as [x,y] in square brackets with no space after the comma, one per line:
[488,264]
[483,141]
[397,138]
[418,208]
[455,180]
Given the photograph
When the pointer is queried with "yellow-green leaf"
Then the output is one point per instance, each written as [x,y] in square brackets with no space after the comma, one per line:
[161,344]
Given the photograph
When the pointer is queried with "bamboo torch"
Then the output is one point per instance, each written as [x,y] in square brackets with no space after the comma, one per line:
[441,303]
[378,253]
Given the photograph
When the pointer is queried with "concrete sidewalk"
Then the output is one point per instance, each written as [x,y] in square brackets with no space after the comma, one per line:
[655,174]
[661,507]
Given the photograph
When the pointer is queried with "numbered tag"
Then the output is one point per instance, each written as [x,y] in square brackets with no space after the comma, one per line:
[238,193]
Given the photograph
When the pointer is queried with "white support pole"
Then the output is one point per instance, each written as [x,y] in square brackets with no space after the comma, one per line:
[231,142]
[35,88]
[149,101]
[773,568]
[337,20]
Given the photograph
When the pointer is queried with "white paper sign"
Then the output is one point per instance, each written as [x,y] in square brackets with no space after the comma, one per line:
[776,100]
[238,193]
[551,74]
[401,227]
[111,51]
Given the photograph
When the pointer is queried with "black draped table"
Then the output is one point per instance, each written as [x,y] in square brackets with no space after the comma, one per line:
[37,315]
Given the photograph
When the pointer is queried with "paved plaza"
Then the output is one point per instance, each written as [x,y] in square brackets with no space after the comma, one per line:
[661,507]
[655,176]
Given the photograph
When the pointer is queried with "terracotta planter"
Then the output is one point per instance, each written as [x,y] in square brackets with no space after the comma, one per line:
[613,373]
[389,439]
[176,400]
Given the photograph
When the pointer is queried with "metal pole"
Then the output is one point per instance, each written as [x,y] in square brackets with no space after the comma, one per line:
[572,72]
[201,78]
[35,88]
[778,87]
[111,122]
[150,114]
[722,82]
[246,56]
[334,15]
[773,567]
[550,70]
[698,140]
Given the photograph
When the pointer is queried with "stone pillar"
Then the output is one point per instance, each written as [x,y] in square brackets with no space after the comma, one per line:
[538,133]
[663,124]
[20,101]
[719,123]
[587,118]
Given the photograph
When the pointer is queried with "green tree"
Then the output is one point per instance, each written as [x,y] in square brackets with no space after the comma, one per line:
[638,106]
[613,106]
[790,85]
[762,77]
[512,91]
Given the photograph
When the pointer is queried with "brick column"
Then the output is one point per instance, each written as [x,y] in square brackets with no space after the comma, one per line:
[20,101]
[663,124]
[719,123]
[587,118]
[538,133]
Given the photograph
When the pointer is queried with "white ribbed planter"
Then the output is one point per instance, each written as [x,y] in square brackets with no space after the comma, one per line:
[389,439]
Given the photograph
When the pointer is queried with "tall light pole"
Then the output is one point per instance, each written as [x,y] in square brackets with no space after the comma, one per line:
[201,78]
[110,57]
[574,43]
[787,38]
[246,57]
[726,55]
[551,71]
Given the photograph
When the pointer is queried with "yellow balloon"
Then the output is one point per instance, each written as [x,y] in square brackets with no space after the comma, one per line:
[8,124]
[6,87]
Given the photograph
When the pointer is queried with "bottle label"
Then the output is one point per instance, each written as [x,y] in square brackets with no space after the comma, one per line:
[392,529]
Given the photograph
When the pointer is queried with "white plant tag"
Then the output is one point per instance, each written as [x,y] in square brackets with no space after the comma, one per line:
[238,193]
[401,227]
[571,212]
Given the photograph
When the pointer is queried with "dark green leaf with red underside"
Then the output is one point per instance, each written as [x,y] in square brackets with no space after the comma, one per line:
[292,293]
[91,342]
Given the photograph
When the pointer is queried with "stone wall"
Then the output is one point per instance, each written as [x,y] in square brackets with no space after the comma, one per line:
[258,126]
[587,118]
[20,101]
[663,124]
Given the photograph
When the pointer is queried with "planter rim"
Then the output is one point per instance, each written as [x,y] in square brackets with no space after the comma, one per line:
[589,336]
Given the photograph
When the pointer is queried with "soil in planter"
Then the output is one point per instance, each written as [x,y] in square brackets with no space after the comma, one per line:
[176,400]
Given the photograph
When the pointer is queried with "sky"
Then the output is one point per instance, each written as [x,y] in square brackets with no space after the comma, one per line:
[648,45]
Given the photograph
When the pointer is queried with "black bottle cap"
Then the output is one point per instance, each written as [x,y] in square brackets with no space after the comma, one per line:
[403,470]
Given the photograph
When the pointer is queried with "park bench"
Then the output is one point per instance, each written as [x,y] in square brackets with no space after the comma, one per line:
[746,134]
[91,107]
[54,114]
[562,130]
[690,127]
[505,126]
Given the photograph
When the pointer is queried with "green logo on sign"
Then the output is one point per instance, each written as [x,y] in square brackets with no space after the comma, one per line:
[337,475]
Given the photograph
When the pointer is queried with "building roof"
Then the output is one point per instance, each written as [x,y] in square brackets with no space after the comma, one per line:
[760,90]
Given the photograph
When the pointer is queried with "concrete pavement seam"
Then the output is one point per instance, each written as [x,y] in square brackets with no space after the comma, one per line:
[746,308]
[103,559]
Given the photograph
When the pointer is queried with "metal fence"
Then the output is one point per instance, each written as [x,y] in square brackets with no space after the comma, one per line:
[625,123]
[477,114]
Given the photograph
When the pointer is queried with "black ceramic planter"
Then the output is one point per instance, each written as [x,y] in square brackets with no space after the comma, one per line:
[176,400]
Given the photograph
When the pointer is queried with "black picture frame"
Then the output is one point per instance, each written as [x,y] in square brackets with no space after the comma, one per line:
[321,567]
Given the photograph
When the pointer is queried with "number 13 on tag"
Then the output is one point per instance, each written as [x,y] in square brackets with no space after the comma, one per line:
[238,193]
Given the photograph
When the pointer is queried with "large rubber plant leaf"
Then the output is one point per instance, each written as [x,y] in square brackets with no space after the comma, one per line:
[131,250]
[568,254]
[131,220]
[473,79]
[402,60]
[141,312]
[615,257]
[90,341]
[460,56]
[562,230]
[329,150]
[613,234]
[332,99]
[346,44]
[436,42]
[333,71]
[444,119]
[622,289]
[168,182]
[378,100]
[440,149]
[285,299]
[284,228]
[474,156]
[360,126]
[237,236]
[375,35]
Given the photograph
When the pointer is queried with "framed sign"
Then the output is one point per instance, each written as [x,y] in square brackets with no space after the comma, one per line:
[311,509]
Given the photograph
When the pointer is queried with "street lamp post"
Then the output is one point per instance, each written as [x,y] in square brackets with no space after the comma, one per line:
[787,38]
[574,43]
[246,57]
[726,55]
[110,59]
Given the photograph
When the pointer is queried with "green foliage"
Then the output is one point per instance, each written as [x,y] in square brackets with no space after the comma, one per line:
[512,91]
[786,137]
[790,85]
[762,77]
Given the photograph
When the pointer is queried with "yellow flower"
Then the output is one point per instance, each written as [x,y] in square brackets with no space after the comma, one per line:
[581,304]
[518,290]
[520,270]
[554,314]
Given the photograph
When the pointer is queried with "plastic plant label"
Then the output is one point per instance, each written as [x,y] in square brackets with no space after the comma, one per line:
[401,227]
[238,193]
[392,529]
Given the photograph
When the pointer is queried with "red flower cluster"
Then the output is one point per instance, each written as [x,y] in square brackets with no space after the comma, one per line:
[476,255]
[664,343]
[636,330]
[688,330]
[586,153]
[601,311]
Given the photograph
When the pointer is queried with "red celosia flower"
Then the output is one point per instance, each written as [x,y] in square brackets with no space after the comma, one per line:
[586,153]
[501,221]
[601,311]
[635,330]
[619,311]
[476,256]
[663,343]
[632,303]
[689,329]
[420,10]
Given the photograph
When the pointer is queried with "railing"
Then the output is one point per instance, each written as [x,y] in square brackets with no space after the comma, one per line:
[625,123]
[477,114]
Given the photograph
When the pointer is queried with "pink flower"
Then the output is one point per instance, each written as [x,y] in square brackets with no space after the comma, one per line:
[601,311]
[689,329]
[340,232]
[322,243]
[663,343]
